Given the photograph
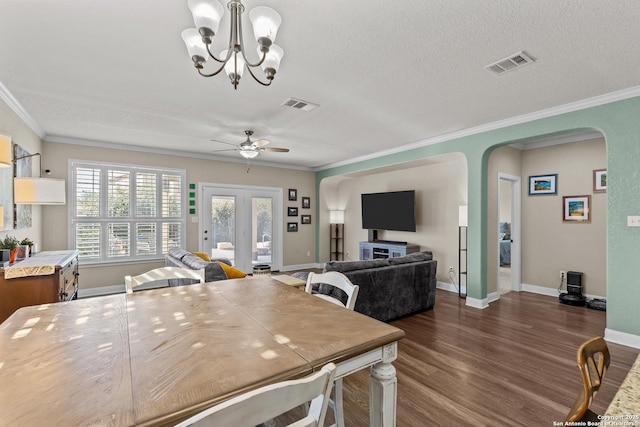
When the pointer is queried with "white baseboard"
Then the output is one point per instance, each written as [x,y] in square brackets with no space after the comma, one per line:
[449,287]
[302,266]
[622,338]
[552,292]
[103,290]
[493,296]
[471,302]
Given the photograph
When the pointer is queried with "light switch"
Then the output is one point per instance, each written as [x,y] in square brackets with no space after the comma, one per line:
[633,221]
[194,219]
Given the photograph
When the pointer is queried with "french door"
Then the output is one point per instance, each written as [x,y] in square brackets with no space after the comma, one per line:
[243,224]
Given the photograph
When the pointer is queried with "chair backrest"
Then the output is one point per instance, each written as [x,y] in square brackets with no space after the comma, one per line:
[163,273]
[266,403]
[593,360]
[338,280]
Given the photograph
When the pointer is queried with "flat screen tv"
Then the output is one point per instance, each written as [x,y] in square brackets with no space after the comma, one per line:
[389,211]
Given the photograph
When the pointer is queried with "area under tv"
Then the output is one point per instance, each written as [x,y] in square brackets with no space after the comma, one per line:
[386,249]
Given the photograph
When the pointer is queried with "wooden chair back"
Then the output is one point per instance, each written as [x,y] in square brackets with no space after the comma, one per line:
[263,404]
[593,360]
[335,279]
[163,273]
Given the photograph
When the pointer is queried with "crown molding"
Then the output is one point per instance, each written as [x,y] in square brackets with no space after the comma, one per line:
[525,118]
[168,152]
[17,108]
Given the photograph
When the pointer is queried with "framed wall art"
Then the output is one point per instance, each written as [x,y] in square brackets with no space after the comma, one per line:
[599,180]
[306,203]
[543,184]
[292,211]
[305,219]
[292,226]
[293,194]
[576,208]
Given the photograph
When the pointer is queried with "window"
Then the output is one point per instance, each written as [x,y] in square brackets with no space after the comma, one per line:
[125,213]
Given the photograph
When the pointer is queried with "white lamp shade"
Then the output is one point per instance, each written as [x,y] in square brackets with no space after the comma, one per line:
[273,58]
[5,151]
[193,41]
[39,191]
[230,66]
[206,13]
[336,217]
[462,216]
[265,21]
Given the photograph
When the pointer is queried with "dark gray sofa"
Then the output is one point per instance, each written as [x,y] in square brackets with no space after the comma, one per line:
[177,257]
[392,287]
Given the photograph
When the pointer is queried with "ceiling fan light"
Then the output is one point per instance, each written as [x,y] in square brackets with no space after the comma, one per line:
[273,58]
[195,47]
[249,154]
[206,13]
[266,22]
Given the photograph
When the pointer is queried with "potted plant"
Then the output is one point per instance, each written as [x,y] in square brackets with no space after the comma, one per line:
[10,243]
[24,249]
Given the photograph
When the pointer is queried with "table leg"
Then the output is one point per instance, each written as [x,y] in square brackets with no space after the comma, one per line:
[383,389]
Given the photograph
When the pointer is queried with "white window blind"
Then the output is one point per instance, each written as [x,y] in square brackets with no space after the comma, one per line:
[126,213]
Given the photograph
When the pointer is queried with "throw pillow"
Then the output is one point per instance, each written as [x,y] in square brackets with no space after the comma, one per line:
[202,255]
[231,272]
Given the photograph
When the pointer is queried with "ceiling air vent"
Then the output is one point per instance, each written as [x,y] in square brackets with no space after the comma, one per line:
[517,60]
[299,104]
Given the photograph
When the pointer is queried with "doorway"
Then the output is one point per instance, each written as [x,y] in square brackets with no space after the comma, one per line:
[509,194]
[242,224]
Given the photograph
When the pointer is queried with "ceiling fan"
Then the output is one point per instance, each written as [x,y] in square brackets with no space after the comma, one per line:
[251,149]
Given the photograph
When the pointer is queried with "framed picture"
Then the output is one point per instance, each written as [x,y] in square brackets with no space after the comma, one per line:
[576,208]
[292,211]
[599,180]
[543,184]
[293,194]
[305,219]
[306,203]
[292,226]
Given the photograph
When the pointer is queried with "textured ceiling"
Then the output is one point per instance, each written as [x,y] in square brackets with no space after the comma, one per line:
[386,74]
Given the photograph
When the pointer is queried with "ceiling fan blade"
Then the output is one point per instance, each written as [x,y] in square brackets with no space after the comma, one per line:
[261,142]
[223,142]
[276,149]
[226,149]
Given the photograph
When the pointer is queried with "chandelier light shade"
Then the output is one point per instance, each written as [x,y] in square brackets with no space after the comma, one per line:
[5,151]
[39,191]
[207,15]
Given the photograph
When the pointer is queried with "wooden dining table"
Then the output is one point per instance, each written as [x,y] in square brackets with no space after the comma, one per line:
[156,357]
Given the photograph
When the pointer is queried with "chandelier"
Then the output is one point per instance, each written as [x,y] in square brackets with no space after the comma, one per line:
[207,15]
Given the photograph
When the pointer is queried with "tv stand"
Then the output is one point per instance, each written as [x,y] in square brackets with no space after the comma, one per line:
[385,249]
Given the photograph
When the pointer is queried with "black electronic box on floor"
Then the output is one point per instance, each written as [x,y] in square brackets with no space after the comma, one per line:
[573,296]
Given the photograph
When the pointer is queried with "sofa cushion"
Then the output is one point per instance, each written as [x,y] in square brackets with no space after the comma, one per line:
[202,255]
[178,253]
[231,272]
[414,257]
[344,266]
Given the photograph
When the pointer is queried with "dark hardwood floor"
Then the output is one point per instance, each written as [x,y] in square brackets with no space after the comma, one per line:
[512,364]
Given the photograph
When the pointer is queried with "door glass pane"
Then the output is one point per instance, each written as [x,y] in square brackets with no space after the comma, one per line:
[223,220]
[262,229]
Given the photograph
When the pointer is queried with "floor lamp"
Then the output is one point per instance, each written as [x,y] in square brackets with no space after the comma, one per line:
[462,249]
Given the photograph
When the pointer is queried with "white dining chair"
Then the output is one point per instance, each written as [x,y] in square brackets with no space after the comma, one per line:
[162,273]
[337,280]
[266,403]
